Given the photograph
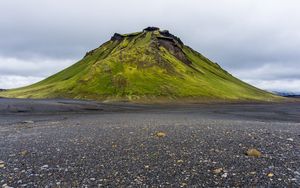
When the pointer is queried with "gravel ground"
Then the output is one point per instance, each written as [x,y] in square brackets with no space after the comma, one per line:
[89,144]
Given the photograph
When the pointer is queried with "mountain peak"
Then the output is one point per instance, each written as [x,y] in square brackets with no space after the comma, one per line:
[161,34]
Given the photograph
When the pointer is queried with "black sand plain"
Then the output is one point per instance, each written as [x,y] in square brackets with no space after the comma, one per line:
[72,143]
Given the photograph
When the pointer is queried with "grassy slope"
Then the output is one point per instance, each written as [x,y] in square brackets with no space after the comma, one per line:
[136,69]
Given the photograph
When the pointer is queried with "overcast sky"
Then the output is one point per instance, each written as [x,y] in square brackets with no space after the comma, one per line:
[257,41]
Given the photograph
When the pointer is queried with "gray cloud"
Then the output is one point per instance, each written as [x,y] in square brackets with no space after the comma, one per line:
[33,67]
[258,41]
[14,81]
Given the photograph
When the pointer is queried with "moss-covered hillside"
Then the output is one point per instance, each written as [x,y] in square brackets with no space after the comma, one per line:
[146,66]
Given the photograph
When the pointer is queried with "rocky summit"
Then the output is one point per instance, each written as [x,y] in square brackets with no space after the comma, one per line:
[148,66]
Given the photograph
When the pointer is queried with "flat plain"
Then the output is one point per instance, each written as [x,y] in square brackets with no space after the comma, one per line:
[72,143]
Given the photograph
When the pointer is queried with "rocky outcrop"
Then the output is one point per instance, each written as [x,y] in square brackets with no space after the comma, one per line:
[89,53]
[166,33]
[116,36]
[151,29]
[174,49]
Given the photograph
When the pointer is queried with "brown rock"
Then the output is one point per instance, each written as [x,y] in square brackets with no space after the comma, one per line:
[160,134]
[253,152]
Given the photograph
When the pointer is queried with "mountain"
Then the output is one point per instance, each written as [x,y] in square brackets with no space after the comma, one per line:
[147,66]
[287,94]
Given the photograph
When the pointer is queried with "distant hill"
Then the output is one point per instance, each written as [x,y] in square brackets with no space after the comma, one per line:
[293,96]
[147,66]
[288,94]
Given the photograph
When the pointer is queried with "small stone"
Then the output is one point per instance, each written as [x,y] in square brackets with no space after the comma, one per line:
[224,175]
[270,175]
[2,164]
[23,153]
[218,170]
[44,166]
[28,122]
[147,166]
[6,186]
[179,161]
[160,134]
[183,184]
[253,152]
[92,179]
[290,139]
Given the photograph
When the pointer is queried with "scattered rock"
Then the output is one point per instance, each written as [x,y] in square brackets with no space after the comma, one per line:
[253,173]
[183,184]
[44,167]
[224,175]
[6,186]
[270,175]
[2,164]
[179,161]
[290,139]
[253,152]
[28,122]
[147,166]
[23,153]
[218,170]
[160,134]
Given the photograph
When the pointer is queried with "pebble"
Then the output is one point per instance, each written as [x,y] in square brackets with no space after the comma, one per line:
[2,164]
[224,175]
[6,186]
[28,122]
[179,161]
[218,170]
[160,134]
[253,152]
[44,166]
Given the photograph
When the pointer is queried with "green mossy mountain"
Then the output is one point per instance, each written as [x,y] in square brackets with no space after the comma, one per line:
[147,66]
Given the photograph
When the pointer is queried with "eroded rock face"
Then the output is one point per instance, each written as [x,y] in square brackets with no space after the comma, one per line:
[117,36]
[166,33]
[174,48]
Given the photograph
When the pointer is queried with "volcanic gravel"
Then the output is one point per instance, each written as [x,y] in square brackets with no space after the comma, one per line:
[122,145]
